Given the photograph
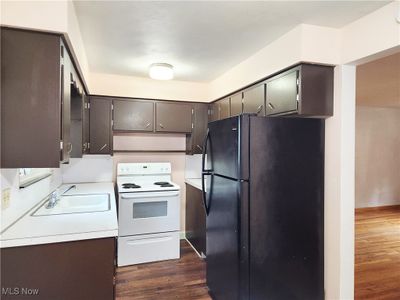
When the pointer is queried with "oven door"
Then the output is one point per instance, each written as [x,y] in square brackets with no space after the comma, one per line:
[151,212]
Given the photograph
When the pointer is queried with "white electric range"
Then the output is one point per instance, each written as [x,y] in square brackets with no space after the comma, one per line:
[148,213]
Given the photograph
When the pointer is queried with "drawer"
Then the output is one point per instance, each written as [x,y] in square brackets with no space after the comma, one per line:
[147,248]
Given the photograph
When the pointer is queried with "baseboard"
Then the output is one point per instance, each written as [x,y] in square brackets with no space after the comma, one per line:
[377,208]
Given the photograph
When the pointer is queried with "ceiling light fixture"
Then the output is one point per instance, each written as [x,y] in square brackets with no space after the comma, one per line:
[161,71]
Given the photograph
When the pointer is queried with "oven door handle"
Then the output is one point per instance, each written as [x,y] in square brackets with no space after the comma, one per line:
[148,195]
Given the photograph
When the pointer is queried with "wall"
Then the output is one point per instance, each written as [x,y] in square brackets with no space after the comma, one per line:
[377,156]
[339,188]
[378,82]
[139,87]
[371,34]
[22,200]
[89,168]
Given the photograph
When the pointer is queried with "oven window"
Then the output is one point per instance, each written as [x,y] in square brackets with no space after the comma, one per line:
[150,209]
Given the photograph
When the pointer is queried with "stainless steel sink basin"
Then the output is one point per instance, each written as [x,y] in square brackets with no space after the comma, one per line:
[75,204]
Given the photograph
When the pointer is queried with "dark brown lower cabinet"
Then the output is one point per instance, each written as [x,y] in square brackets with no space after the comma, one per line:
[195,219]
[63,271]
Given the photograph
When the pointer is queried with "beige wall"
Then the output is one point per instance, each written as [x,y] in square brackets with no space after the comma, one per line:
[140,87]
[378,82]
[377,156]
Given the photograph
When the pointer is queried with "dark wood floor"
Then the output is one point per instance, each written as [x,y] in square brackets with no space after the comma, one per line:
[377,261]
[174,279]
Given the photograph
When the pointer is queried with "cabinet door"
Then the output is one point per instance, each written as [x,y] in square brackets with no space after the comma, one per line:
[195,219]
[76,119]
[254,100]
[174,117]
[86,123]
[66,66]
[194,142]
[133,115]
[281,94]
[236,104]
[224,108]
[213,112]
[100,126]
[30,99]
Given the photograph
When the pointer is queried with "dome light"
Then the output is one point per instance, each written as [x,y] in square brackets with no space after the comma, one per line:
[161,71]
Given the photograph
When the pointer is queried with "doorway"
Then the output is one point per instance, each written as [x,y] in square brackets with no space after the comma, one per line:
[377,179]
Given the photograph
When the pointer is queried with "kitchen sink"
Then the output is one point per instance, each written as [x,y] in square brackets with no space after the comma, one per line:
[75,204]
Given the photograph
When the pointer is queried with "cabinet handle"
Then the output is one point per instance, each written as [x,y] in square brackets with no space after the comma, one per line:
[259,108]
[200,147]
[270,105]
[161,125]
[70,148]
[105,145]
[148,125]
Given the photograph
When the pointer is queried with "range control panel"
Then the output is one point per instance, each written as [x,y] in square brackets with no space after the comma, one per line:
[143,168]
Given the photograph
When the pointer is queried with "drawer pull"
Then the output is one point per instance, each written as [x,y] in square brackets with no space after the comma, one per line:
[271,105]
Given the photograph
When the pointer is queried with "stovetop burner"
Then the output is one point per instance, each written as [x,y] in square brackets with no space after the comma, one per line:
[163,184]
[130,186]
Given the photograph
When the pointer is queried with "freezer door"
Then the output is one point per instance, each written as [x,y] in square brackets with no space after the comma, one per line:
[227,153]
[227,239]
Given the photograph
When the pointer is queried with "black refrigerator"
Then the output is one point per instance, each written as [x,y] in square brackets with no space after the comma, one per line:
[263,191]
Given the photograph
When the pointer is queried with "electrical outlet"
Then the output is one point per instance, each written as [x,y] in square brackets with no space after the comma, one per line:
[5,198]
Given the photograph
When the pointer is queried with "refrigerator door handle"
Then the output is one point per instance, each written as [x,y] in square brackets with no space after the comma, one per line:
[203,157]
[203,190]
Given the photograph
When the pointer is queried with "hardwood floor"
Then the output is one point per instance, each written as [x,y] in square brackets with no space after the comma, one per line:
[174,279]
[377,261]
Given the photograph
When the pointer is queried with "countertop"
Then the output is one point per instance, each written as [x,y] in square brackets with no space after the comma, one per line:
[34,230]
[195,182]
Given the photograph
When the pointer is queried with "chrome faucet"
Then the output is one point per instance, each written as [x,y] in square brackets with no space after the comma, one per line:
[54,197]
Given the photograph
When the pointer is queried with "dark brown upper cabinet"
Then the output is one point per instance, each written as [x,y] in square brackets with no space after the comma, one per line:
[282,93]
[174,117]
[194,141]
[236,104]
[254,100]
[31,107]
[100,126]
[78,131]
[66,70]
[224,108]
[213,112]
[86,124]
[133,115]
[305,90]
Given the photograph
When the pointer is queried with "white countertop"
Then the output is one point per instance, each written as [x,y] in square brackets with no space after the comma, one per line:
[33,230]
[195,182]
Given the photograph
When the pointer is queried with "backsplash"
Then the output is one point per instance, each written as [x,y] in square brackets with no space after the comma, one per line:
[22,200]
[193,166]
[89,168]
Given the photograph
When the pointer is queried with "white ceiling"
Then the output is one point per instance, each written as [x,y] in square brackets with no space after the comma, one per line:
[201,39]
